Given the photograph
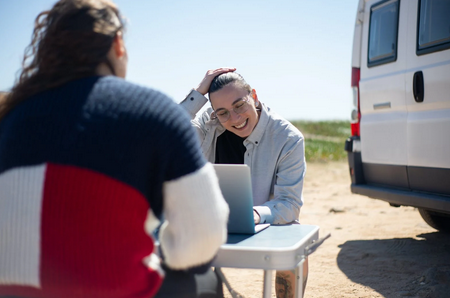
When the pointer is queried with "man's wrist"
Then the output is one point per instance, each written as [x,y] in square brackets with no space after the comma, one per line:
[256,217]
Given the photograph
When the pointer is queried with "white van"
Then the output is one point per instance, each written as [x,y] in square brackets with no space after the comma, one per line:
[399,151]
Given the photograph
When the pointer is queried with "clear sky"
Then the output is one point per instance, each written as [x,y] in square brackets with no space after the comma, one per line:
[295,53]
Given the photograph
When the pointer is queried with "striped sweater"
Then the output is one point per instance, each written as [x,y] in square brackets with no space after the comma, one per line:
[86,170]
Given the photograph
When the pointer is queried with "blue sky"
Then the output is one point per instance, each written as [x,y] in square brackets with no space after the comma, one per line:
[295,53]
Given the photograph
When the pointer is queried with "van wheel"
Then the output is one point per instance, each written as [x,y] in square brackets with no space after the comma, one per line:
[439,221]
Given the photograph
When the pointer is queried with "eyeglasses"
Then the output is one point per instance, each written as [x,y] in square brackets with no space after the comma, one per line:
[239,107]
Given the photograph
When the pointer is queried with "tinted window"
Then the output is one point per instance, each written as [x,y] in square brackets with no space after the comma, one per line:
[434,26]
[383,32]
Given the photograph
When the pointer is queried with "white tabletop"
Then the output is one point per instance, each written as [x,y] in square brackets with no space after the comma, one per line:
[279,247]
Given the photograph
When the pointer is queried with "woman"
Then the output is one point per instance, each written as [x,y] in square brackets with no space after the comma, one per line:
[240,129]
[89,162]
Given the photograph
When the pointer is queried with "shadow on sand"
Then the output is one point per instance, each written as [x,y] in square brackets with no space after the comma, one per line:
[400,267]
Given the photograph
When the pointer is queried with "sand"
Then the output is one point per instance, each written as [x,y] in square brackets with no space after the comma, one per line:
[374,250]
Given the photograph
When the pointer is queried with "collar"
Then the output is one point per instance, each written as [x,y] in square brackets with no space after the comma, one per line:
[257,133]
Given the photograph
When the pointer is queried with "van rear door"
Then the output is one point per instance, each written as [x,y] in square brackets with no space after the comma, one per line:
[428,95]
[382,94]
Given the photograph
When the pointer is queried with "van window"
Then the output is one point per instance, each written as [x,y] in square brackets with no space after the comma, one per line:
[434,26]
[383,32]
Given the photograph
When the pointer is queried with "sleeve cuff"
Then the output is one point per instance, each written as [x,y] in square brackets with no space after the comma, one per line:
[264,213]
[193,102]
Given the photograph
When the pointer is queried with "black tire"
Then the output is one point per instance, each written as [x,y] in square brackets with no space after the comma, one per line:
[439,221]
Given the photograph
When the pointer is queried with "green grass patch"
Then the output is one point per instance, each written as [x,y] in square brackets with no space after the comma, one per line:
[324,140]
[324,128]
[319,150]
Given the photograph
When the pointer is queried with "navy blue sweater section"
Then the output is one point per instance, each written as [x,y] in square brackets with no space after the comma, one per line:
[128,132]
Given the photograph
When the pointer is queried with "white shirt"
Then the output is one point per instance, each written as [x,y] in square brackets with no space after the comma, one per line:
[275,154]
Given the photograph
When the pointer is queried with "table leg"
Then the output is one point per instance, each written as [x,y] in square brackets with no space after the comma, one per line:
[299,279]
[267,290]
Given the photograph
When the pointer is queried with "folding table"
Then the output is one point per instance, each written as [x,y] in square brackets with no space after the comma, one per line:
[279,247]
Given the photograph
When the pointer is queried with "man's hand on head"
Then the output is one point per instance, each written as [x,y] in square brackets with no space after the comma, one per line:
[203,87]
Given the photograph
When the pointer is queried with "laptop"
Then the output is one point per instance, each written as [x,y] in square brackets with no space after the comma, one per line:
[236,186]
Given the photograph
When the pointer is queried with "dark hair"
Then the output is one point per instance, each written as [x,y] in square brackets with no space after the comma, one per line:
[3,96]
[224,79]
[69,42]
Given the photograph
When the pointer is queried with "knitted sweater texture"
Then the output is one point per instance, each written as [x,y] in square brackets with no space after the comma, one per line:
[84,168]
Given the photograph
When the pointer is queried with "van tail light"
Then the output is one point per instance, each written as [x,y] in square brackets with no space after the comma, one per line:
[356,113]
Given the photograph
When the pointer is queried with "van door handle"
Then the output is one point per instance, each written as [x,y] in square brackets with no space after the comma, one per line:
[418,87]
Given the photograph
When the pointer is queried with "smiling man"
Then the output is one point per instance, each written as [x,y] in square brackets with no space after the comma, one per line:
[239,129]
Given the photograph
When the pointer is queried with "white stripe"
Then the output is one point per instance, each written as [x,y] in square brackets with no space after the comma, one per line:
[21,192]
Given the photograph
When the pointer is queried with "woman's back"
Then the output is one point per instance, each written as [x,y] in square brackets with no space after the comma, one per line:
[76,164]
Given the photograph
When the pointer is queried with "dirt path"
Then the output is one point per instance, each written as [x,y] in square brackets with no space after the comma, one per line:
[374,251]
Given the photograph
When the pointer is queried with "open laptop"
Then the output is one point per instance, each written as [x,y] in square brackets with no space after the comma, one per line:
[236,186]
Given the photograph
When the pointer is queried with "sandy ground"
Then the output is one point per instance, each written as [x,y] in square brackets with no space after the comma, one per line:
[374,251]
